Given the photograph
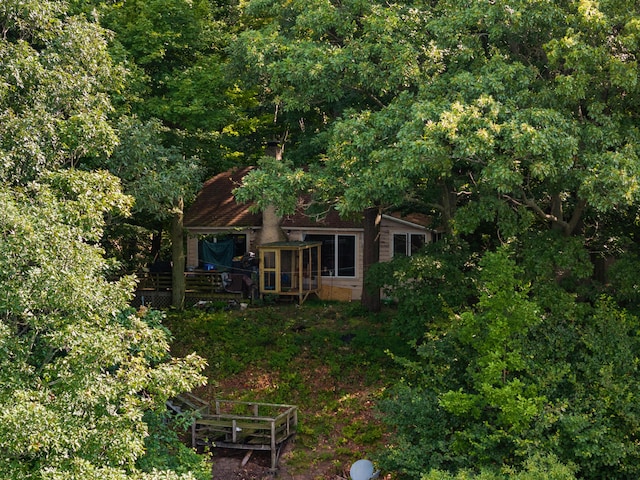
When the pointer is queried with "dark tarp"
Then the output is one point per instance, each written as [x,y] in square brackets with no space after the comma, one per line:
[219,253]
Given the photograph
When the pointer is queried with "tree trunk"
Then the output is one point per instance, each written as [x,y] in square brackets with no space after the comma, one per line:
[271,230]
[371,255]
[177,256]
[449,200]
[557,213]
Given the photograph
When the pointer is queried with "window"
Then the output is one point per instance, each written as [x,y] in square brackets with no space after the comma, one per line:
[338,254]
[437,236]
[407,243]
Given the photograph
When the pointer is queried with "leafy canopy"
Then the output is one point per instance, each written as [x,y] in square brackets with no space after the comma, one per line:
[82,375]
[501,112]
[79,368]
[55,81]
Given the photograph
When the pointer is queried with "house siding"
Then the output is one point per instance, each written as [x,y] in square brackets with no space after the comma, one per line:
[388,228]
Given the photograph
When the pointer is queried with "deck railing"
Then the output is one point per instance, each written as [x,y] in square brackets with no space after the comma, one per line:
[240,425]
[156,288]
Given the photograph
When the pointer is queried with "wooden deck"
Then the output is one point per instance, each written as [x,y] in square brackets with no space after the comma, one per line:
[155,289]
[240,425]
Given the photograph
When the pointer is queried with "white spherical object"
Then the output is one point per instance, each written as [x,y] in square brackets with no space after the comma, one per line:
[361,470]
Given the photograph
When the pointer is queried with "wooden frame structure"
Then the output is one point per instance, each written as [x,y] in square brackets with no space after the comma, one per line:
[239,425]
[290,269]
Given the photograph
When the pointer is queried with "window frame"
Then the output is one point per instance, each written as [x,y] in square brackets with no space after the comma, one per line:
[408,243]
[336,255]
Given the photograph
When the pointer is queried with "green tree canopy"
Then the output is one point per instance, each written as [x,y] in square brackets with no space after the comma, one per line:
[55,81]
[519,112]
[175,50]
[78,368]
[159,178]
[511,377]
[81,372]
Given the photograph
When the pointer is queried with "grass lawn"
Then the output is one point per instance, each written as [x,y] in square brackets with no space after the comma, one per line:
[329,359]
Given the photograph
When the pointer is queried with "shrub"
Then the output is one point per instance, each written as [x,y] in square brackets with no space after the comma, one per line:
[510,379]
[537,467]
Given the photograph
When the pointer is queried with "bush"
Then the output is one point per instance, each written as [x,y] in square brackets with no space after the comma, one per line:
[535,468]
[426,287]
[512,378]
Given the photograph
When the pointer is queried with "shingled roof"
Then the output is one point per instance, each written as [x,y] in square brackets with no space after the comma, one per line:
[216,207]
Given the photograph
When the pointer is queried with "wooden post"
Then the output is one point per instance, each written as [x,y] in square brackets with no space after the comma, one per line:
[274,457]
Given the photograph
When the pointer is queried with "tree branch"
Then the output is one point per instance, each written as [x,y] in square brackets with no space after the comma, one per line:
[568,227]
[577,215]
[376,100]
[536,209]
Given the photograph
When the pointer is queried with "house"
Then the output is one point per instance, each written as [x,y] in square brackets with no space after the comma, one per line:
[216,220]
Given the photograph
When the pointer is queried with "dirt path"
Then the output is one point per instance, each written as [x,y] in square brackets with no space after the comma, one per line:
[227,465]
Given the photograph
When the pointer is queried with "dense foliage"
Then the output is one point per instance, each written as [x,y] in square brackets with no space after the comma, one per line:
[84,378]
[527,369]
[79,368]
[514,124]
[56,78]
[498,112]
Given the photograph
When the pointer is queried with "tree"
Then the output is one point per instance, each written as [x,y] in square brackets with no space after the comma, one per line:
[318,62]
[79,368]
[81,371]
[176,52]
[510,378]
[180,100]
[161,180]
[523,114]
[55,79]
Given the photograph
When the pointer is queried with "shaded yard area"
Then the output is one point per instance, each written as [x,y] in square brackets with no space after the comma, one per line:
[327,358]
